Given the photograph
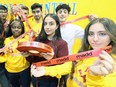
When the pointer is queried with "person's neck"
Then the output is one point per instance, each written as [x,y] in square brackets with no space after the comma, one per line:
[39,20]
[50,37]
[15,37]
[62,23]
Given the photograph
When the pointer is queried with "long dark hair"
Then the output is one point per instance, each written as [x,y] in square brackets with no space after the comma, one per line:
[43,36]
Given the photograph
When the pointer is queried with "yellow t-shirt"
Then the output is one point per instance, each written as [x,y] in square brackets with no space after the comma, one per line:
[36,27]
[81,77]
[3,58]
[102,81]
[15,61]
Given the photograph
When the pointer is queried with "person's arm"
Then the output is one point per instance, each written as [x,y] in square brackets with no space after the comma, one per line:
[58,70]
[101,67]
[54,71]
[3,58]
[79,31]
[47,55]
[28,56]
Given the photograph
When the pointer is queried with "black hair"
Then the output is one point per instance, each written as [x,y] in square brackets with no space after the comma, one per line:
[9,32]
[2,7]
[24,7]
[43,36]
[63,6]
[36,5]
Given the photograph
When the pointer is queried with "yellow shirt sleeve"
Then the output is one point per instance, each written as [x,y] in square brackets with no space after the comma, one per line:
[59,70]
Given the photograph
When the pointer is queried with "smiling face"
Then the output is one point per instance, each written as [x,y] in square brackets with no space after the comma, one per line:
[50,26]
[16,29]
[63,15]
[98,37]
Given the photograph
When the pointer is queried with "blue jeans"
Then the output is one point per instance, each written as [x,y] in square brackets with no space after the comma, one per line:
[20,79]
[3,79]
[63,80]
[44,82]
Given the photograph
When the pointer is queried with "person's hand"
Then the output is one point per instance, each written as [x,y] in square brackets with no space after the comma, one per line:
[25,54]
[103,66]
[32,34]
[47,55]
[37,71]
[92,17]
[15,9]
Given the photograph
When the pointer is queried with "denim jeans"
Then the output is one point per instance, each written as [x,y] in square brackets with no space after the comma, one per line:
[44,82]
[20,79]
[3,78]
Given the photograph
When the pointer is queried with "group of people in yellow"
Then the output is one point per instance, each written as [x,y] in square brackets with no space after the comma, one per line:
[19,71]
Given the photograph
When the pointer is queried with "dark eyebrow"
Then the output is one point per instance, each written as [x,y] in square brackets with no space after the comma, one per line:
[103,31]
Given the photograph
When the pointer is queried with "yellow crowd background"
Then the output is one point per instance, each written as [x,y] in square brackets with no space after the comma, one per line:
[79,8]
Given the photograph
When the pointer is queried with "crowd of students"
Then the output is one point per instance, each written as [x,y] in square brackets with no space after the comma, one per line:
[19,71]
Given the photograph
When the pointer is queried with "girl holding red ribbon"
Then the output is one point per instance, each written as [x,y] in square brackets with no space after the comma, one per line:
[50,35]
[93,72]
[17,67]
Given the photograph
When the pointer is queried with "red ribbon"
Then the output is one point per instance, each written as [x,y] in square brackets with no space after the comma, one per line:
[79,56]
[78,19]
[21,36]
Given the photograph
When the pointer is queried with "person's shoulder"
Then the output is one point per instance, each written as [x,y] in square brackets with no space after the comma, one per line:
[8,39]
[61,41]
[23,40]
[74,26]
[70,24]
